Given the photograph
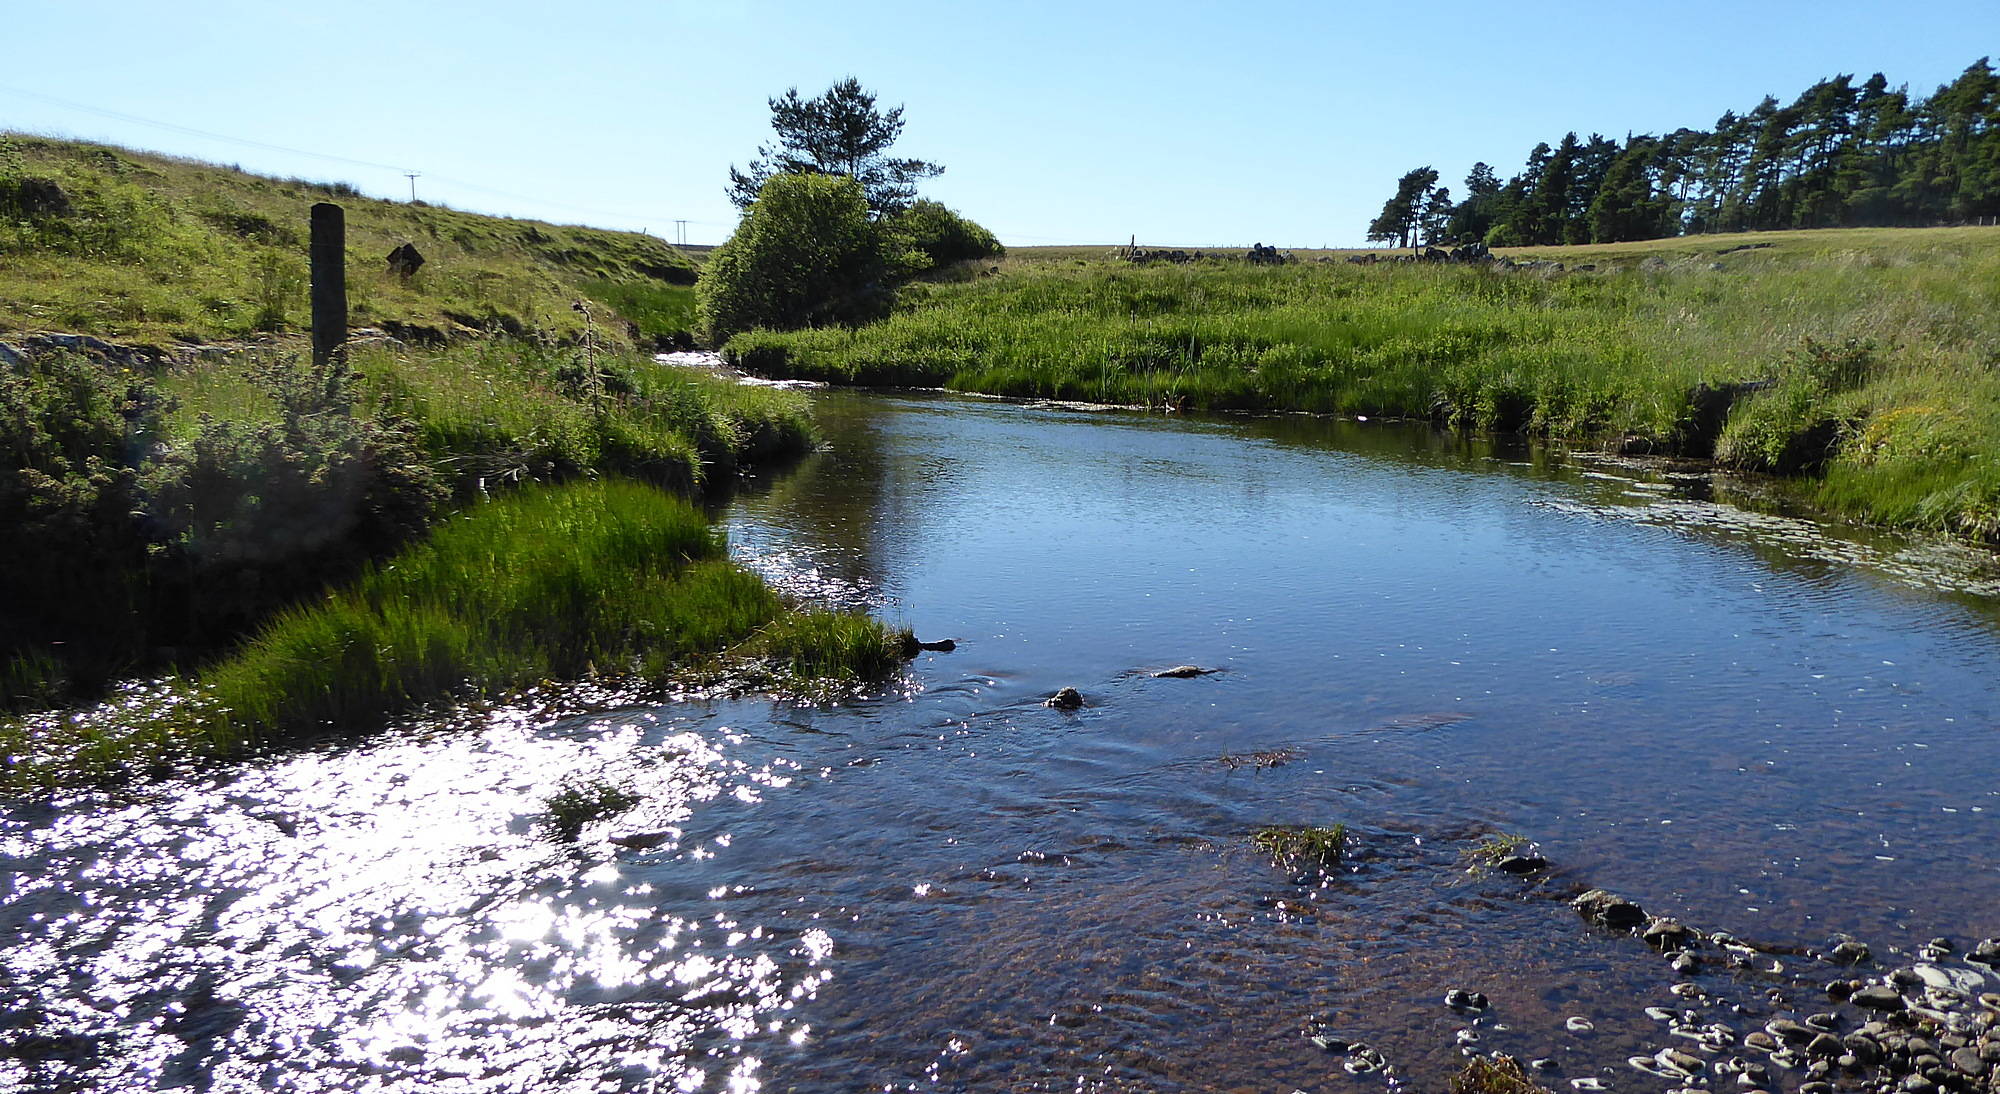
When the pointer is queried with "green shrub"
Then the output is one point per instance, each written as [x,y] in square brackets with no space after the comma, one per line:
[943,236]
[804,254]
[248,514]
[69,431]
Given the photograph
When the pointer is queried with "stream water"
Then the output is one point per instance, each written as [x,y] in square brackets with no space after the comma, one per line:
[1750,722]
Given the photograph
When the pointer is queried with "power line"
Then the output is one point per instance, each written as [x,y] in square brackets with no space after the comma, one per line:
[397,168]
[247,142]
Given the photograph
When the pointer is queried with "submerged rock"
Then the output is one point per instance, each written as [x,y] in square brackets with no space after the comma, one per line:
[1521,864]
[1878,997]
[1609,910]
[1182,672]
[1066,699]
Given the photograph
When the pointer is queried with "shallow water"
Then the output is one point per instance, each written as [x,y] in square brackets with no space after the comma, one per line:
[1750,722]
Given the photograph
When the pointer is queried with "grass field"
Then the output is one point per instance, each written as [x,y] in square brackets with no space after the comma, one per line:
[156,250]
[1876,350]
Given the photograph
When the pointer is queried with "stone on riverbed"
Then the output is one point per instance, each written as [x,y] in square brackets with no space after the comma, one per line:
[1182,672]
[1066,699]
[1877,997]
[1609,910]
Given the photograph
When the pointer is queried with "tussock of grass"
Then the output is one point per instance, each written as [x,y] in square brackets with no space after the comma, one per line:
[574,807]
[1302,847]
[1608,356]
[1261,759]
[1495,1074]
[600,578]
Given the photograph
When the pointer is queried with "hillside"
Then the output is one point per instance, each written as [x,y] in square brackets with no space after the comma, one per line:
[152,249]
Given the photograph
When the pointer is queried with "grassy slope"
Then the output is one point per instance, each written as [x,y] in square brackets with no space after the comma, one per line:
[1609,355]
[159,250]
[607,577]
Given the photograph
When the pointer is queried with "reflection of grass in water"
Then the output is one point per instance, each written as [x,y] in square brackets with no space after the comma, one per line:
[1298,845]
[568,810]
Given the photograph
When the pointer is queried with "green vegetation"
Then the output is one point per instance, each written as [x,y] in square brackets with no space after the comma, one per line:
[1261,759]
[1890,336]
[806,253]
[836,133]
[1302,847]
[1837,156]
[148,248]
[608,578]
[1495,1074]
[1492,849]
[577,805]
[942,236]
[155,515]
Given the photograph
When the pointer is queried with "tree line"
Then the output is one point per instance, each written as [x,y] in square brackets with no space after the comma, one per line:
[1840,155]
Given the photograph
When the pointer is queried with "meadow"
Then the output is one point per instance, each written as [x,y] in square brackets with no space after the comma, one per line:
[1864,361]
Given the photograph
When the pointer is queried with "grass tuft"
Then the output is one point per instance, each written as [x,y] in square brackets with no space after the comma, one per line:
[1302,847]
[1495,1074]
[578,805]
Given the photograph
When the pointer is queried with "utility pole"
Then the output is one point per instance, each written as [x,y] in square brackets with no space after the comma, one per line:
[413,175]
[680,233]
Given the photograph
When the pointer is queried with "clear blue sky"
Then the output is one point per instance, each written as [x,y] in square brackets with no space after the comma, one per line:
[1058,122]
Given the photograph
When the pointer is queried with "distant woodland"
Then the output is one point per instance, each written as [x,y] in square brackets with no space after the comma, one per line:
[1839,155]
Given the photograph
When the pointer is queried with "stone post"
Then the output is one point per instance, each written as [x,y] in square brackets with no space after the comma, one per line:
[329,281]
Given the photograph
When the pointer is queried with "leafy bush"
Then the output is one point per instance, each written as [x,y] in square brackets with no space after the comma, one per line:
[248,514]
[943,236]
[805,254]
[68,431]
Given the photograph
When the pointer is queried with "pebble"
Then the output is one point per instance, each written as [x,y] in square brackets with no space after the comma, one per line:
[1460,999]
[1542,1063]
[1848,953]
[1784,1029]
[1588,1082]
[1579,1024]
[1685,963]
[1878,997]
[1827,1022]
[1761,1041]
[1685,990]
[1826,1045]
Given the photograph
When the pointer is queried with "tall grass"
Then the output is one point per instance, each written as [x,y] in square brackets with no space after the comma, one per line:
[1613,355]
[607,578]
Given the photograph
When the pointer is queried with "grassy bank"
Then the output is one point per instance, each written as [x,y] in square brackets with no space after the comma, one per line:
[608,578]
[153,249]
[1873,352]
[152,516]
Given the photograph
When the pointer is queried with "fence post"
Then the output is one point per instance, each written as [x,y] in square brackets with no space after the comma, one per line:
[329,281]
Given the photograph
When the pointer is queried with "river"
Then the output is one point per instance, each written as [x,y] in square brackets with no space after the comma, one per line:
[1744,720]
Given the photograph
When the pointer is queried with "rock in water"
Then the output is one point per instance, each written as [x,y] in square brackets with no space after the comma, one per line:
[1181,672]
[1877,997]
[1066,699]
[1609,910]
[1521,864]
